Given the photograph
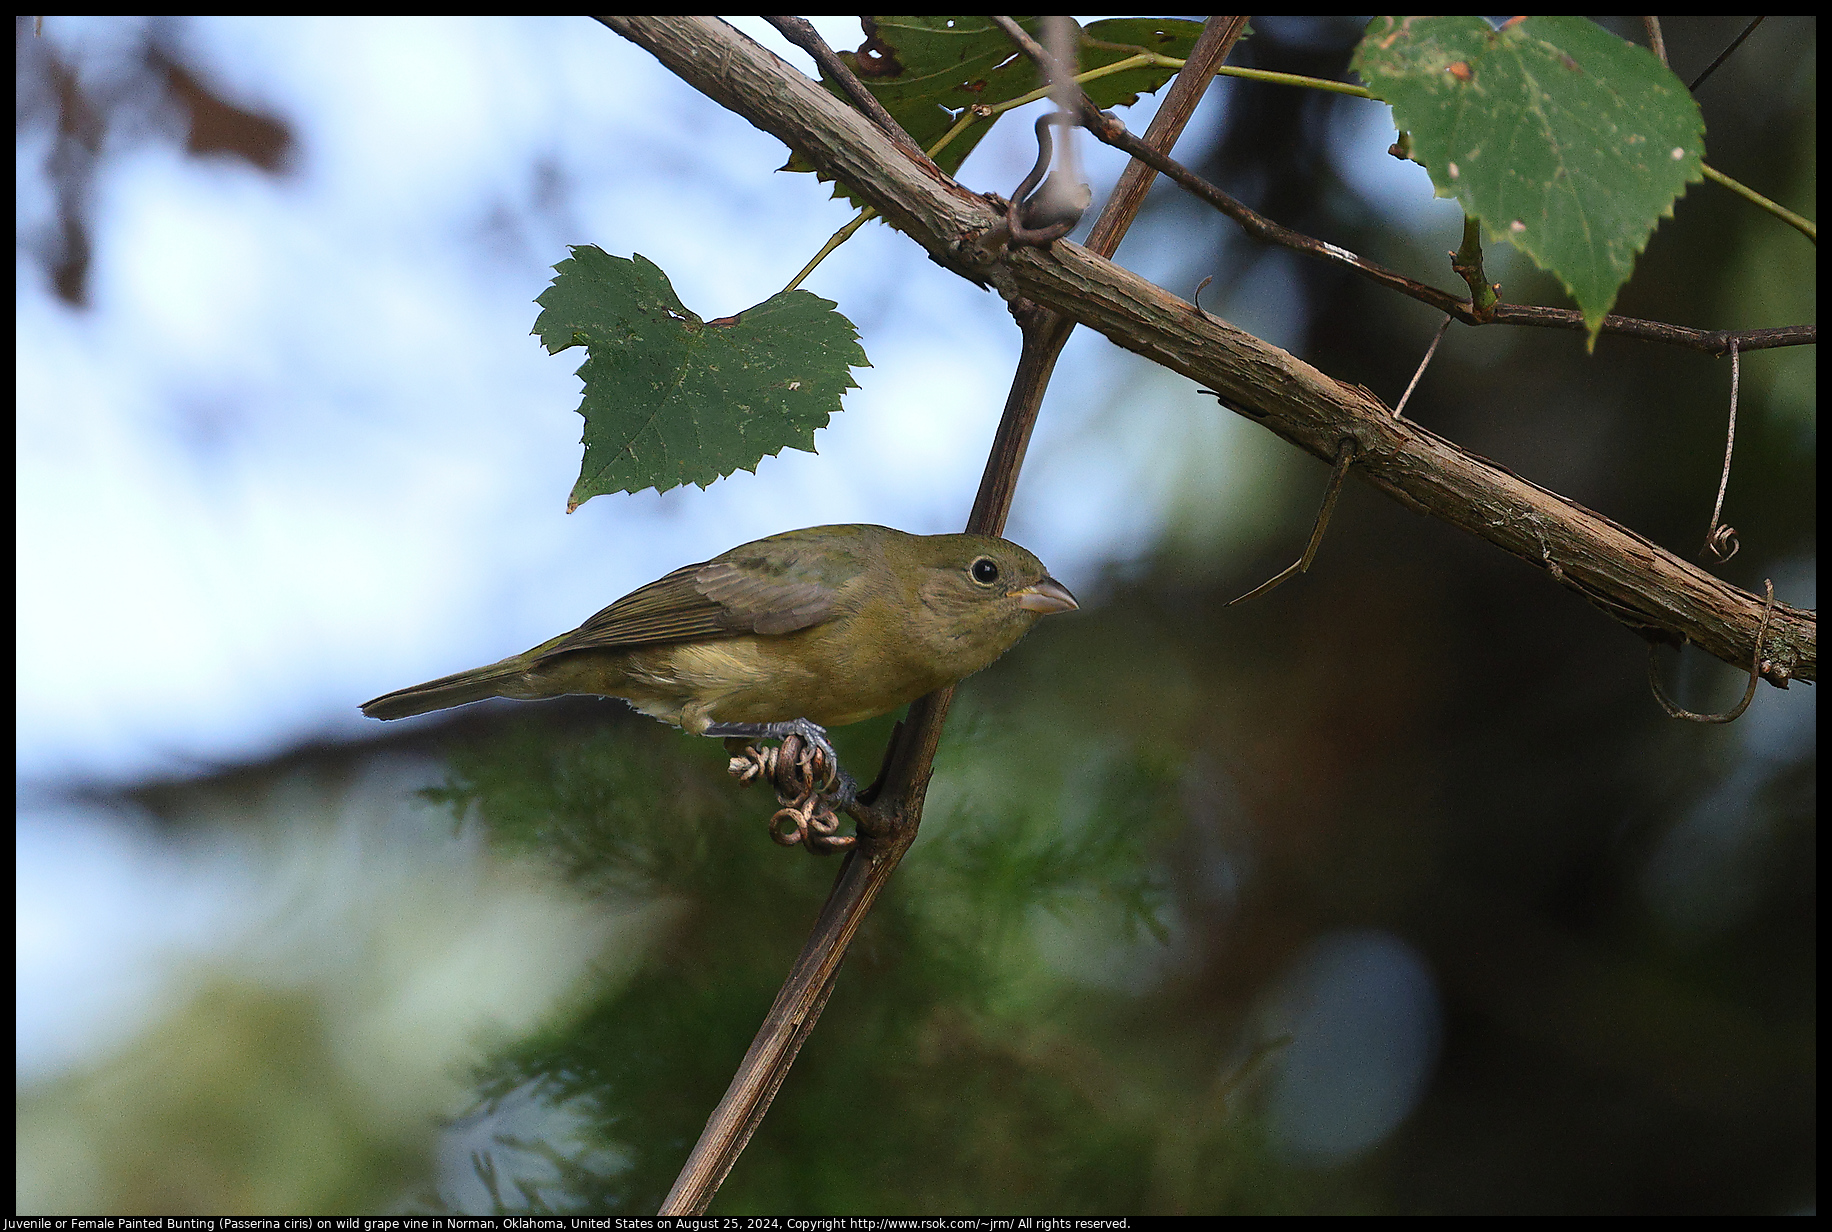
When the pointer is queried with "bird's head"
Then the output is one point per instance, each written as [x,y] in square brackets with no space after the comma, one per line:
[979,595]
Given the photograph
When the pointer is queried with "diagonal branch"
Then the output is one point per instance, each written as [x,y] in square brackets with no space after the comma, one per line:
[1045,333]
[1652,591]
[1109,130]
[888,823]
[807,38]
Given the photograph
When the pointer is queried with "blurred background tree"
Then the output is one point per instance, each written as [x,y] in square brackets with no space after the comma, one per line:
[1390,891]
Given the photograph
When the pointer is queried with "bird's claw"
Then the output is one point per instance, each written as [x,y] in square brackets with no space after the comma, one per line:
[814,754]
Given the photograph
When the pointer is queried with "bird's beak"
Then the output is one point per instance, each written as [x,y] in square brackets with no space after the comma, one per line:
[1046,596]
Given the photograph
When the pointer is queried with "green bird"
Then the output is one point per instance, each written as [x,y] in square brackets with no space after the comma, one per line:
[792,634]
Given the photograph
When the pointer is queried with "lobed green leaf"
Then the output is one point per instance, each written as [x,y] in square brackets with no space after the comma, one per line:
[1563,139]
[672,399]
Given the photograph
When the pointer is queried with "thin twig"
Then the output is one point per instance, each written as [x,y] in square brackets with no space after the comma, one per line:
[1756,668]
[1345,454]
[1196,296]
[1150,59]
[1466,262]
[1030,47]
[1724,54]
[1268,77]
[1708,341]
[839,237]
[1109,130]
[1713,535]
[1399,408]
[1655,43]
[1218,36]
[1805,226]
[806,37]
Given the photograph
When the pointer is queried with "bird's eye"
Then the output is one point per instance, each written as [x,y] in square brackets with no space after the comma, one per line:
[985,571]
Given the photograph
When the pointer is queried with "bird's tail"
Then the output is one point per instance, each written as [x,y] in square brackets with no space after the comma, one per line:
[447,691]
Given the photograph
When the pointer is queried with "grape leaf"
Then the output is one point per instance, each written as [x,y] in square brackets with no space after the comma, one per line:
[1563,139]
[671,399]
[925,70]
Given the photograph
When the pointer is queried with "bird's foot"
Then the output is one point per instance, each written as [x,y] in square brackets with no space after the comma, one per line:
[813,737]
[810,785]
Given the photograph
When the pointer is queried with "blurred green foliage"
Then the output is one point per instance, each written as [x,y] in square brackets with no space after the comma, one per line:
[954,1068]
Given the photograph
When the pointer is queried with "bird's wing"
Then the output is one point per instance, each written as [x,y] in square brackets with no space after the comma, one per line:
[717,599]
[763,600]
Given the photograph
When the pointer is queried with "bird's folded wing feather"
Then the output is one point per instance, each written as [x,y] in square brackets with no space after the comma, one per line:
[717,599]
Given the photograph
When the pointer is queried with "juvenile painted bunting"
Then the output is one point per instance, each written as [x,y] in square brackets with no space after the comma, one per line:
[791,634]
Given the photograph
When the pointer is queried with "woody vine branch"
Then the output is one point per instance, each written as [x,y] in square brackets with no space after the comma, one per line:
[1654,592]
